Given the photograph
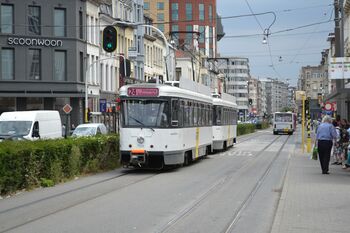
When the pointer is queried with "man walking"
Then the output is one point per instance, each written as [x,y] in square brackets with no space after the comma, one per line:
[325,135]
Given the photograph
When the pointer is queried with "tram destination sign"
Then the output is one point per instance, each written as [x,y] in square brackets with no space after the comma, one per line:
[143,92]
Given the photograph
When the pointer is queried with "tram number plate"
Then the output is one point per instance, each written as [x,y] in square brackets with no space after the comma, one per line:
[145,92]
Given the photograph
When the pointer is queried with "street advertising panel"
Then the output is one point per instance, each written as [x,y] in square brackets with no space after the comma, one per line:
[339,68]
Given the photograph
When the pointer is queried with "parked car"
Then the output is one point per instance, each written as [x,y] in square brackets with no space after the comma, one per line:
[89,129]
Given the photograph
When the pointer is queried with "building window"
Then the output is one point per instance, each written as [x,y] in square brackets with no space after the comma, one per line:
[175,34]
[81,65]
[34,62]
[189,34]
[188,11]
[161,27]
[60,22]
[146,5]
[160,5]
[175,11]
[202,34]
[7,64]
[160,17]
[34,20]
[60,65]
[211,38]
[81,29]
[201,12]
[210,13]
[6,18]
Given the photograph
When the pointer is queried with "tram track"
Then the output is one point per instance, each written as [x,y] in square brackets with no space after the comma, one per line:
[61,195]
[250,137]
[250,196]
[200,200]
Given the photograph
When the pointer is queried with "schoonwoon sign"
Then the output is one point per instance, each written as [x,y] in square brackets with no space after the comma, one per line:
[33,42]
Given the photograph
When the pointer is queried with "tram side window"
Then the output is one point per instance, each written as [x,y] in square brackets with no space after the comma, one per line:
[190,116]
[183,113]
[234,117]
[186,114]
[199,115]
[218,115]
[175,113]
[195,114]
[210,115]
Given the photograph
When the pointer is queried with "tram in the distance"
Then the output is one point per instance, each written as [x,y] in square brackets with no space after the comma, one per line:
[284,122]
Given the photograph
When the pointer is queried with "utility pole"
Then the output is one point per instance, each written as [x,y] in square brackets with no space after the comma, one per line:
[338,5]
[337,31]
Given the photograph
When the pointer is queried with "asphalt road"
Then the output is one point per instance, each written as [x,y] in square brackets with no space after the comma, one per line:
[233,191]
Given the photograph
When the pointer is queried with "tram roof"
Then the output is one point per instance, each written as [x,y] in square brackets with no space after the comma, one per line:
[221,102]
[168,91]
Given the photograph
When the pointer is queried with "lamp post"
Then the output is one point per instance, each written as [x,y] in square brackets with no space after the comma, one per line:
[86,81]
[167,45]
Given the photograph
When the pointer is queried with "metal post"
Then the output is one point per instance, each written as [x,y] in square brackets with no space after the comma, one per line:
[303,124]
[308,140]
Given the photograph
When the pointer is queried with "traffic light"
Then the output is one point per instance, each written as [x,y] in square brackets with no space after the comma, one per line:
[109,39]
[307,106]
[250,101]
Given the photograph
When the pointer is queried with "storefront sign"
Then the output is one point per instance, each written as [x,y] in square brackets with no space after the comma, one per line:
[34,42]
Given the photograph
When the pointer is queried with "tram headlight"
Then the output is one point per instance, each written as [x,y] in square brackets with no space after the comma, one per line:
[140,140]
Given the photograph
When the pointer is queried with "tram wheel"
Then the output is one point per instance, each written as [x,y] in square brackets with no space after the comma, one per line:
[187,159]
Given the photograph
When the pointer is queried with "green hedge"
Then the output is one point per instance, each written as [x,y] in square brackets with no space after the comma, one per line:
[262,125]
[27,164]
[245,129]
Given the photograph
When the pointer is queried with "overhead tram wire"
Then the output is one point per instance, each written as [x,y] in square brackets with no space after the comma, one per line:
[307,40]
[266,32]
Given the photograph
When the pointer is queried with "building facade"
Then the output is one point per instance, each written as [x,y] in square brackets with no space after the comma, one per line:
[200,29]
[237,75]
[43,67]
[159,12]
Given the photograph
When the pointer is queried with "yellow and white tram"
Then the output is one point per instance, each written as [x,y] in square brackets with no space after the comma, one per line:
[164,125]
[224,124]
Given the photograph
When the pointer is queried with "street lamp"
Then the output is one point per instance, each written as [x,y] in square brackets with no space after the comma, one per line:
[167,45]
[86,81]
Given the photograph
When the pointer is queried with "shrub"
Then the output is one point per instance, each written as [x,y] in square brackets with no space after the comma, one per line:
[245,129]
[28,164]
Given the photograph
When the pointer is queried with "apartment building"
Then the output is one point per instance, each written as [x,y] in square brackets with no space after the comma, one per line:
[159,12]
[237,75]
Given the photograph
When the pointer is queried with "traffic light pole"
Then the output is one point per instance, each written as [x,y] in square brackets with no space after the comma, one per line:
[303,124]
[86,81]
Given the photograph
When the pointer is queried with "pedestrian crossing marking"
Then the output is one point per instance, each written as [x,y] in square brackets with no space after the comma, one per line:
[237,153]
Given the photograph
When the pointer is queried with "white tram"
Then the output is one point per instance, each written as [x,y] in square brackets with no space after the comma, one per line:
[224,124]
[163,125]
[284,122]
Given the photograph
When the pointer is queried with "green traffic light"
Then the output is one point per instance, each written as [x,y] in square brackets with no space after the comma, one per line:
[109,45]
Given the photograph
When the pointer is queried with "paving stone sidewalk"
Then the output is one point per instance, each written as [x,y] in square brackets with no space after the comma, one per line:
[312,202]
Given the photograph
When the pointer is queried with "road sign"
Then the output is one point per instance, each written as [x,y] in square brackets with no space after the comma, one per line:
[67,108]
[103,105]
[328,106]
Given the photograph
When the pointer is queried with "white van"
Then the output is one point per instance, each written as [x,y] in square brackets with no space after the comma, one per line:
[30,125]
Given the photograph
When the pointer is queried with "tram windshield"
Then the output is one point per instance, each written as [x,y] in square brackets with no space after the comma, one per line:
[283,117]
[145,113]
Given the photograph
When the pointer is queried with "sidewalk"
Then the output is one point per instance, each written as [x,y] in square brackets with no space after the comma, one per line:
[312,202]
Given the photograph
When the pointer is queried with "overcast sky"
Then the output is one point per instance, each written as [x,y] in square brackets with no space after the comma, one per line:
[297,48]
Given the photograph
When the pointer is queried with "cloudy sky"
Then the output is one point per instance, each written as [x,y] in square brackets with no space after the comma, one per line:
[286,52]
